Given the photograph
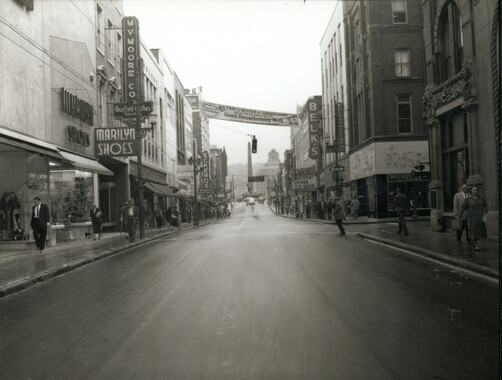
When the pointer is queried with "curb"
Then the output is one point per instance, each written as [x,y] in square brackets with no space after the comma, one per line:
[27,282]
[461,264]
[349,222]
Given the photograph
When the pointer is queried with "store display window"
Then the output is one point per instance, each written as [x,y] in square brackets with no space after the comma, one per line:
[72,194]
[23,175]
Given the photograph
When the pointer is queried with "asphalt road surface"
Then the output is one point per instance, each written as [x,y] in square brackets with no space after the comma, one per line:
[255,296]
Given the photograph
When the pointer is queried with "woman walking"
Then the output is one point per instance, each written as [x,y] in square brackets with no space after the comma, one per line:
[476,211]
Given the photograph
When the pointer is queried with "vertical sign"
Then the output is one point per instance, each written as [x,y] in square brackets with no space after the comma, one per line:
[313,107]
[290,170]
[204,180]
[131,83]
[339,128]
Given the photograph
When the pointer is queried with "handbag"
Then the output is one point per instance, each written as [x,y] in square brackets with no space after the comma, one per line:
[455,225]
[485,219]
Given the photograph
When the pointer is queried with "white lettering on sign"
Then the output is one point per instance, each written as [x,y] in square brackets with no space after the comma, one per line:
[115,149]
[130,28]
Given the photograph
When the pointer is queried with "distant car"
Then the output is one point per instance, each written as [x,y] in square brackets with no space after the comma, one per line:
[251,201]
[261,200]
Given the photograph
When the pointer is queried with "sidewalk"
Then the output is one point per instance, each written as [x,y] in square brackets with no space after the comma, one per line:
[438,246]
[22,269]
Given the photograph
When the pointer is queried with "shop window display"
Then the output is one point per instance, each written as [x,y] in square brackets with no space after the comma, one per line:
[71,196]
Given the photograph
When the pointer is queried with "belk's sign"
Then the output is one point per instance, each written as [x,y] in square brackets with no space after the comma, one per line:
[313,113]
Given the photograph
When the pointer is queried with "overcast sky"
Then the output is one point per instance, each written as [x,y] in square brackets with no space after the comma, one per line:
[252,54]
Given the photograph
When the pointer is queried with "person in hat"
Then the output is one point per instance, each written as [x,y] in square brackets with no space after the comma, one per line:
[39,220]
[129,218]
[402,206]
[339,214]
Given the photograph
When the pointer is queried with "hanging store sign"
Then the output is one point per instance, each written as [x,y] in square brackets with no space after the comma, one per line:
[131,46]
[304,183]
[246,115]
[313,109]
[204,178]
[115,142]
[259,178]
[305,171]
[184,171]
[339,128]
[194,101]
[76,107]
[125,110]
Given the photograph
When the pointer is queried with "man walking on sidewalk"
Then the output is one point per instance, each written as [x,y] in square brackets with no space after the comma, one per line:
[339,214]
[401,205]
[39,220]
[458,200]
[129,216]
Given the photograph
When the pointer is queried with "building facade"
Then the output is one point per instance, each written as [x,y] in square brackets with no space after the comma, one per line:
[462,102]
[48,110]
[334,93]
[384,52]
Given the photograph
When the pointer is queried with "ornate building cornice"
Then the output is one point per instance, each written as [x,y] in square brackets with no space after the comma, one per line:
[461,86]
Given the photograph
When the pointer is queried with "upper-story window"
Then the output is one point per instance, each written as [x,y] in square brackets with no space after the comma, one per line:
[450,42]
[399,15]
[402,62]
[403,103]
[109,42]
[100,25]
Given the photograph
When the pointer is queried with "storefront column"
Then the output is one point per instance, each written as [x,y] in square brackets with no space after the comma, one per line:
[436,185]
[474,143]
[95,183]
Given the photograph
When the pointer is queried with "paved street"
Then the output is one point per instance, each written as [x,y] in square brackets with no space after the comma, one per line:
[255,296]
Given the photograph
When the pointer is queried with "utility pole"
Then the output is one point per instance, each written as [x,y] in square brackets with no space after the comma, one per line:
[196,206]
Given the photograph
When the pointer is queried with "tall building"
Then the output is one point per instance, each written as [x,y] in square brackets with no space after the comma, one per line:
[48,112]
[462,102]
[269,171]
[334,99]
[384,58]
[200,124]
[305,144]
[219,171]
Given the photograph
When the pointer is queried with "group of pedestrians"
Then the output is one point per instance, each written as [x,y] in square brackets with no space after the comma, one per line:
[470,210]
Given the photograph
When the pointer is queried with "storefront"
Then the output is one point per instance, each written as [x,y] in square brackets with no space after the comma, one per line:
[66,182]
[24,174]
[73,191]
[378,169]
[156,192]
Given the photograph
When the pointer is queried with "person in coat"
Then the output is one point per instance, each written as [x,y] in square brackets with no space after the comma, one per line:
[339,214]
[354,207]
[402,206]
[476,209]
[158,216]
[97,221]
[308,210]
[129,217]
[458,201]
[39,220]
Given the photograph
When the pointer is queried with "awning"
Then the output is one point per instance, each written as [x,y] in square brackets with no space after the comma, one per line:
[85,164]
[161,189]
[28,143]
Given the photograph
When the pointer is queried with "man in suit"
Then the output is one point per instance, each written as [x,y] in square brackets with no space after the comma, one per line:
[39,220]
[458,200]
[339,214]
[402,206]
[129,217]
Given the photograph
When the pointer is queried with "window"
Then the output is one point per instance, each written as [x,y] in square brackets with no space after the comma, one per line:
[450,42]
[101,29]
[119,51]
[402,62]
[403,113]
[399,11]
[109,42]
[454,155]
